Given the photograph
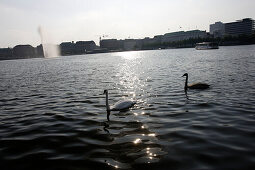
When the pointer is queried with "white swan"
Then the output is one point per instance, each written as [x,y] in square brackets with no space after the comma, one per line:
[194,85]
[119,106]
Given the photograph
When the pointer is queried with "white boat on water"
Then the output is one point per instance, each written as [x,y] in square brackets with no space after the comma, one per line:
[207,45]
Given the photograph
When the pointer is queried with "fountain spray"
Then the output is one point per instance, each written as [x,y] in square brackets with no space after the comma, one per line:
[50,50]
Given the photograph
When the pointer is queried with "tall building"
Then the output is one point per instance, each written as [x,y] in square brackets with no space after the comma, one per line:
[244,26]
[182,35]
[217,29]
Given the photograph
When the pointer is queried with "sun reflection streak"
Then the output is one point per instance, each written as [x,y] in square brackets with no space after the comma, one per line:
[130,80]
[138,140]
[130,73]
[152,134]
[150,155]
[129,55]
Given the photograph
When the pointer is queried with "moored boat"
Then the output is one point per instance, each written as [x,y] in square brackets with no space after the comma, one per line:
[207,45]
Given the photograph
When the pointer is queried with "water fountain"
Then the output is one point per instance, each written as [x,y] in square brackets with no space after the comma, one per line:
[50,50]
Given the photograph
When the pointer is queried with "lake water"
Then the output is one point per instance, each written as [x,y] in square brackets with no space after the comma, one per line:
[53,113]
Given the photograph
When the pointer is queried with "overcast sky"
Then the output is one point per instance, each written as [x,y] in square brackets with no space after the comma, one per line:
[75,20]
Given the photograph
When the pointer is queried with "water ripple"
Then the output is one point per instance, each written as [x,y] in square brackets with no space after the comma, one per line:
[53,113]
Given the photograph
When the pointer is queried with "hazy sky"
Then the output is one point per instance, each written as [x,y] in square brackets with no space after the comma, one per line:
[74,20]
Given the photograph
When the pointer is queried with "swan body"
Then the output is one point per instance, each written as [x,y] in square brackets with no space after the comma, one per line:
[122,105]
[119,106]
[198,86]
[194,85]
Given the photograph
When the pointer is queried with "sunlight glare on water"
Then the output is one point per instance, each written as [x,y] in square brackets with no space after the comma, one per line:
[129,55]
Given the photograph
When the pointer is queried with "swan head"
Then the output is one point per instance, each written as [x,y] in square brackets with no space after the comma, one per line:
[186,74]
[105,91]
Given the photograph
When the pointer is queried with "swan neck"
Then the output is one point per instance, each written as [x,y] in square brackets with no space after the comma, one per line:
[186,83]
[108,115]
[106,102]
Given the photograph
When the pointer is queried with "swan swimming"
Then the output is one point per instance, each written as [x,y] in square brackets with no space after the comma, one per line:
[119,106]
[194,85]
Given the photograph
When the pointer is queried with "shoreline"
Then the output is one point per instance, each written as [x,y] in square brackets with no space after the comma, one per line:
[114,51]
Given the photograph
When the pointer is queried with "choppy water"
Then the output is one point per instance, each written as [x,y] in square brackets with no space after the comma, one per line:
[53,113]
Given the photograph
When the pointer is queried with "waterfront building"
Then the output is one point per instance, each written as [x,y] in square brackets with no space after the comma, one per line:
[67,48]
[139,44]
[158,38]
[149,43]
[129,44]
[82,47]
[39,51]
[217,29]
[183,35]
[244,26]
[111,44]
[5,53]
[24,51]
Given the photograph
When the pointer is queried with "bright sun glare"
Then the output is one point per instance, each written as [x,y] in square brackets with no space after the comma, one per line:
[129,55]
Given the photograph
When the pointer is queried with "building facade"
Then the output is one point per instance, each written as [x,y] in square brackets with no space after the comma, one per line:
[129,44]
[67,48]
[111,44]
[150,43]
[5,53]
[24,51]
[240,27]
[217,29]
[81,47]
[183,35]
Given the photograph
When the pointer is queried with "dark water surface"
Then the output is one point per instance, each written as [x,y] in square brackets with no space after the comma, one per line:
[53,113]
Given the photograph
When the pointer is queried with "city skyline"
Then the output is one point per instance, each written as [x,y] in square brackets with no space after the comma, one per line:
[88,20]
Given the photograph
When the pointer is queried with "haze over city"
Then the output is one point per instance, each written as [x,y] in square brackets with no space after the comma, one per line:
[76,20]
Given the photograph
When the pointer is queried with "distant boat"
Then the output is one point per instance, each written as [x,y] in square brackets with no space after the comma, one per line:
[207,45]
